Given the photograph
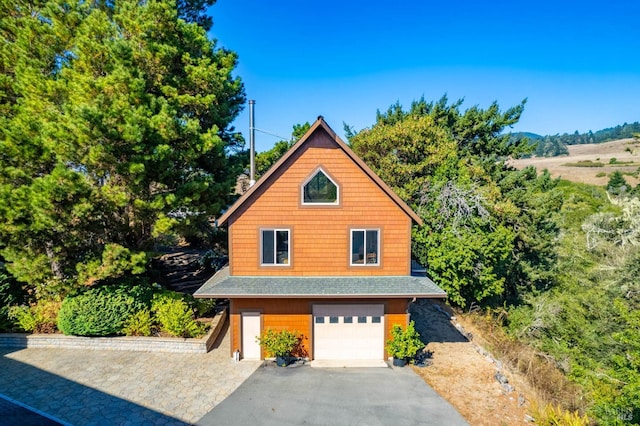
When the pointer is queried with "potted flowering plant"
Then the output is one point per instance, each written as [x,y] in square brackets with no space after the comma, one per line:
[404,344]
[279,344]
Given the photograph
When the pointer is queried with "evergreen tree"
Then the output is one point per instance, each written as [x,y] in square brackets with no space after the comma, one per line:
[115,131]
[617,183]
[489,230]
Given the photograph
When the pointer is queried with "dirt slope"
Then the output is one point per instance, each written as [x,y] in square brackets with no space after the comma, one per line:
[464,374]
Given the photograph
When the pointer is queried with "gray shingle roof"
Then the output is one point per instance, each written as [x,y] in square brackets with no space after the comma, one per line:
[222,285]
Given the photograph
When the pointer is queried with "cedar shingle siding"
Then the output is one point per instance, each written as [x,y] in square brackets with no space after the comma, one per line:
[320,235]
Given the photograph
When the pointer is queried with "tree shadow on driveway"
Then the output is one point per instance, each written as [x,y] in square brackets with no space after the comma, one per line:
[64,399]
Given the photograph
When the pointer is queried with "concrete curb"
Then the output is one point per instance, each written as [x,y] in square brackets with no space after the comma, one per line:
[118,343]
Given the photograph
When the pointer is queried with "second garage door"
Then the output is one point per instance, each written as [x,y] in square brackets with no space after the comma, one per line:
[348,332]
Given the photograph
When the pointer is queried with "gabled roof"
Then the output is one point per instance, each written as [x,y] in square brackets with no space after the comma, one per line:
[320,124]
[223,285]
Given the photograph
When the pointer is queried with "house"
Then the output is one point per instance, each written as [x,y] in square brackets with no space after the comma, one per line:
[321,245]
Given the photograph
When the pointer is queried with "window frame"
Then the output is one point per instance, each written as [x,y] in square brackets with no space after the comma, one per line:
[309,179]
[275,263]
[378,248]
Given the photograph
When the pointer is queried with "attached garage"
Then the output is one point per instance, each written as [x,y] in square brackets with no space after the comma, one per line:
[351,321]
[348,332]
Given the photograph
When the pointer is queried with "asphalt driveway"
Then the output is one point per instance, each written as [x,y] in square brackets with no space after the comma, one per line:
[333,396]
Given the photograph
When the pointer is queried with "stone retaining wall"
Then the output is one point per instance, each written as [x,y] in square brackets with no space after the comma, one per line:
[119,343]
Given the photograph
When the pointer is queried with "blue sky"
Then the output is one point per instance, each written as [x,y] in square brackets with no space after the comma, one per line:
[577,62]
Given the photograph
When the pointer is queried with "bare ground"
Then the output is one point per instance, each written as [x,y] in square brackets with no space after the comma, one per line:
[623,150]
[464,373]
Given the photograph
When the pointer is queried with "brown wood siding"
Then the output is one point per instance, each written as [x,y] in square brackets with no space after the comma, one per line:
[320,236]
[296,314]
[396,312]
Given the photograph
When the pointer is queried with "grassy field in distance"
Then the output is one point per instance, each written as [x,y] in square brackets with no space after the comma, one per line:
[591,163]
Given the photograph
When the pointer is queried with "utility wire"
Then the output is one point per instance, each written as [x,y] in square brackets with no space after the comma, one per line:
[272,134]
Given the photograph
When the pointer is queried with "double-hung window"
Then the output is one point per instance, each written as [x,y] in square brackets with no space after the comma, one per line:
[275,247]
[365,247]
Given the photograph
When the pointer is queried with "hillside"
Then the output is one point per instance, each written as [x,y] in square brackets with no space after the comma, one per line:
[591,163]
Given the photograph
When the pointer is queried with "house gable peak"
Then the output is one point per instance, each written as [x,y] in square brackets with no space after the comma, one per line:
[320,123]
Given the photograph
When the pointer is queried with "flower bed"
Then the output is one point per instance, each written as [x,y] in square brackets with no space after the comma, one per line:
[118,343]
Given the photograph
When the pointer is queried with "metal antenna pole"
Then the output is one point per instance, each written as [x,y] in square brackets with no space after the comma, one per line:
[252,144]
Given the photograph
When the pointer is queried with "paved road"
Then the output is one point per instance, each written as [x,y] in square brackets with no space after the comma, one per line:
[88,387]
[334,396]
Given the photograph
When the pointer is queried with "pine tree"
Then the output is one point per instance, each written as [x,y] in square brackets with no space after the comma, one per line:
[115,131]
[617,183]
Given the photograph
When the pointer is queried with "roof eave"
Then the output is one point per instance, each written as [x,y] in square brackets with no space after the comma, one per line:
[322,296]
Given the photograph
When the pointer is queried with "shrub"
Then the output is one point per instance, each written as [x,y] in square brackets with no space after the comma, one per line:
[175,315]
[601,174]
[204,307]
[38,318]
[404,343]
[556,416]
[617,183]
[585,163]
[138,324]
[103,311]
[279,343]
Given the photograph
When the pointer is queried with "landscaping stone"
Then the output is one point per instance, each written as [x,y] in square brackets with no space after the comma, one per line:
[507,387]
[118,343]
[501,378]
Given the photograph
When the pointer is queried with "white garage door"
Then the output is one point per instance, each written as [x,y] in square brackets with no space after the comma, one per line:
[348,332]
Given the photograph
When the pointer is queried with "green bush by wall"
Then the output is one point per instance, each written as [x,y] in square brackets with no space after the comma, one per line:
[175,315]
[103,311]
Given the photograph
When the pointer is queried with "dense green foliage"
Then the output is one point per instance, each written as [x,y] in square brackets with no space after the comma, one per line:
[175,315]
[114,134]
[103,310]
[589,322]
[489,231]
[139,324]
[279,343]
[617,183]
[622,131]
[404,342]
[38,317]
[551,146]
[10,294]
